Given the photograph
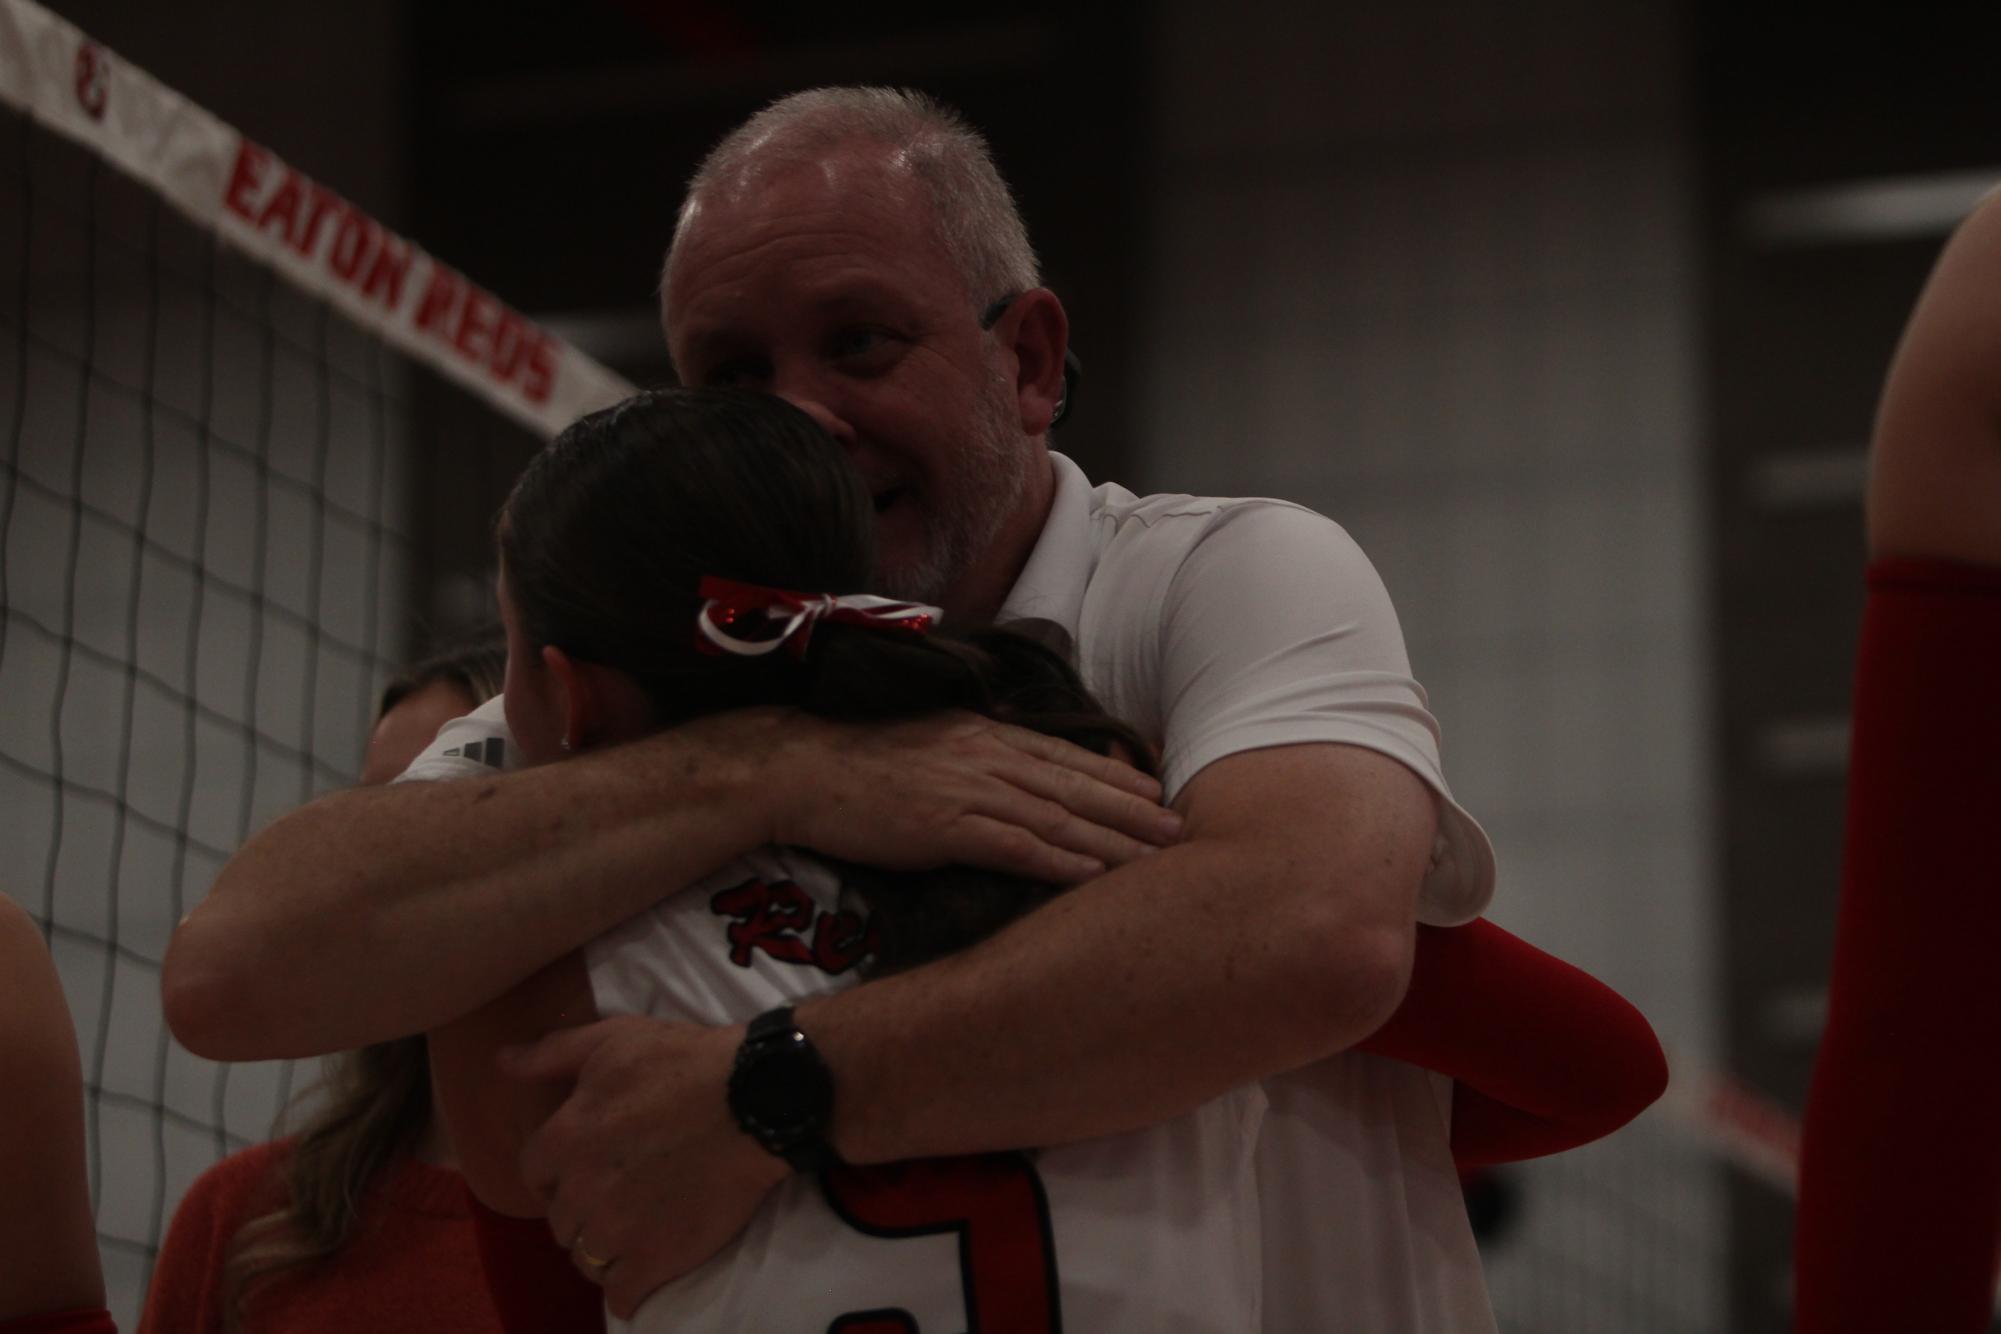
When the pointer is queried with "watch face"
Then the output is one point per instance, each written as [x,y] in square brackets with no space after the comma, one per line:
[784,1089]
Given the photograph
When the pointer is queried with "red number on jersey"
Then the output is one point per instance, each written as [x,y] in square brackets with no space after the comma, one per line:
[995,1202]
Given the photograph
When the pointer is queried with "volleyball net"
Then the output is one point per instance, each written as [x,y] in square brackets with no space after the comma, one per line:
[250,435]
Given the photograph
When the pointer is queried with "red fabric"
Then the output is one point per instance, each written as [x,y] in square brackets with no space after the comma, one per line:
[1543,1056]
[728,605]
[411,1266]
[534,1286]
[62,1322]
[1900,1173]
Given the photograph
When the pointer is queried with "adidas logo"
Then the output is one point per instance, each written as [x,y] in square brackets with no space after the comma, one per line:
[488,752]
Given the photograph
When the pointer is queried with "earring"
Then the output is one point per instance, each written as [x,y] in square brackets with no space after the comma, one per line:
[565,744]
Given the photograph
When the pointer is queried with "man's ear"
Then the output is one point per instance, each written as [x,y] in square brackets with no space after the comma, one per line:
[1035,328]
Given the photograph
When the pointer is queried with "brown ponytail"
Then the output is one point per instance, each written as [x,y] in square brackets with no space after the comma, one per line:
[611,529]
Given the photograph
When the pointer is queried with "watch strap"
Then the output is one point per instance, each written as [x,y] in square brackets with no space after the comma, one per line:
[802,1143]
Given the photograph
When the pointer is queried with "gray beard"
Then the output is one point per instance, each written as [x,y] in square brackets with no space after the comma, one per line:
[994,475]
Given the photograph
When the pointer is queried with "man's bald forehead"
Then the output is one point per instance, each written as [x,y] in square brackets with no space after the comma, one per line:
[850,164]
[858,186]
[903,136]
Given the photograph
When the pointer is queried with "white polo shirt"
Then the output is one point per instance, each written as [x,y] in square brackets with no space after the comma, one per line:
[1219,626]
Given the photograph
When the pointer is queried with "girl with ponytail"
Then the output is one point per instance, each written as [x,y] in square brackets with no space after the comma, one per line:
[687,552]
[673,504]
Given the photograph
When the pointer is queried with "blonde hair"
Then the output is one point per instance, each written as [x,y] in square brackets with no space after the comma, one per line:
[370,1105]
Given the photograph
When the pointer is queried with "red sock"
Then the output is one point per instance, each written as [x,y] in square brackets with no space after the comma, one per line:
[1900,1178]
[535,1287]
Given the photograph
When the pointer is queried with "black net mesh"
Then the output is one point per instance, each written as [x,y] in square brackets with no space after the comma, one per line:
[211,560]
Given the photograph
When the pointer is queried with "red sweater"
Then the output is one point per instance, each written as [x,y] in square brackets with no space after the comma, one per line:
[411,1265]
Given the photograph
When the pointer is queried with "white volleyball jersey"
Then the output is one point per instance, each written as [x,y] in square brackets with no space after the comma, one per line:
[1156,1232]
[467,747]
[1153,1231]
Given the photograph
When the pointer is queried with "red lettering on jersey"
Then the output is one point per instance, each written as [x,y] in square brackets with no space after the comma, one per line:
[995,1202]
[541,377]
[246,176]
[354,238]
[767,918]
[391,266]
[476,320]
[841,940]
[282,207]
[323,202]
[775,919]
[441,296]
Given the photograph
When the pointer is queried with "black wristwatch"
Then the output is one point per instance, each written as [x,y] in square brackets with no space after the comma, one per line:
[781,1092]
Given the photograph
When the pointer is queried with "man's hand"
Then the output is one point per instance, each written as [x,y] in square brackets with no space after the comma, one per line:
[642,1165]
[960,788]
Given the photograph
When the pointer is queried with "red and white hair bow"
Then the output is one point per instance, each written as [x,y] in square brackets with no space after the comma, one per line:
[778,618]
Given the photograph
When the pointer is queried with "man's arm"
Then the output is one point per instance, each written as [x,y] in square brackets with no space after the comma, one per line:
[1278,932]
[375,913]
[388,910]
